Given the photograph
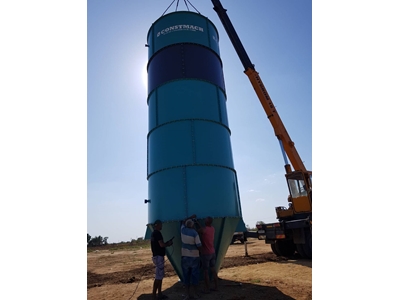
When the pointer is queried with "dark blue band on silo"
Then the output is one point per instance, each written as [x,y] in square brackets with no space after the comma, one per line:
[184,61]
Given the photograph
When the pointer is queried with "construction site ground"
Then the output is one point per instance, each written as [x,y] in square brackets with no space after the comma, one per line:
[128,273]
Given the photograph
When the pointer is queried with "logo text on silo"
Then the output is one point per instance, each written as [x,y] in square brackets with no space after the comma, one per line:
[179,28]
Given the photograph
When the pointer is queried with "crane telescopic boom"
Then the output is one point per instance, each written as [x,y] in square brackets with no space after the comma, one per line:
[261,91]
[299,179]
[293,231]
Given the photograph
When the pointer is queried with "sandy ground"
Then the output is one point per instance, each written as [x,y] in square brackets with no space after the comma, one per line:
[129,274]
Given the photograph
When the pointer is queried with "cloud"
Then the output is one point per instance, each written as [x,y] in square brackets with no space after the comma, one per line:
[260,200]
[271,179]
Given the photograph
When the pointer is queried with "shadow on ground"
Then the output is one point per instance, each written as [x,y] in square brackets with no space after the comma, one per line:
[147,271]
[228,290]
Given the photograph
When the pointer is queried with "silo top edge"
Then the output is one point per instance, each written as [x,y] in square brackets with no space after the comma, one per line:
[182,12]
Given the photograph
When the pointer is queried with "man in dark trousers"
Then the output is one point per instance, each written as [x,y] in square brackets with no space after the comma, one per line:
[190,259]
[158,249]
[207,254]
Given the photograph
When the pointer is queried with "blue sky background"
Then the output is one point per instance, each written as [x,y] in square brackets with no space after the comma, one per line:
[277,37]
[51,173]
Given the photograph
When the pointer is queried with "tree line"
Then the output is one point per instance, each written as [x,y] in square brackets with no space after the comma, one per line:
[96,241]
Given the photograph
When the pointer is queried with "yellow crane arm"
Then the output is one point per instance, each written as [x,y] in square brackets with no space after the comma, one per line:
[261,91]
[276,122]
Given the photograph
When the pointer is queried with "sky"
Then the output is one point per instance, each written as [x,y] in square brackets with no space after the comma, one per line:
[71,98]
[277,36]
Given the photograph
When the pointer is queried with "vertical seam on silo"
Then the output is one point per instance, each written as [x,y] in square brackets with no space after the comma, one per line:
[148,157]
[192,131]
[220,234]
[219,105]
[208,34]
[185,190]
[183,61]
[154,42]
[237,194]
[156,108]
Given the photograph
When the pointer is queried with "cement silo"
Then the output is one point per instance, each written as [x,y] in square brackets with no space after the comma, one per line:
[190,167]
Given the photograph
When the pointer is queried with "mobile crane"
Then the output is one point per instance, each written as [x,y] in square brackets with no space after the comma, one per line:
[292,232]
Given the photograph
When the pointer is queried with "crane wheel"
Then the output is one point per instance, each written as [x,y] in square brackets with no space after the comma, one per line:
[285,247]
[307,247]
[276,252]
[299,249]
[305,250]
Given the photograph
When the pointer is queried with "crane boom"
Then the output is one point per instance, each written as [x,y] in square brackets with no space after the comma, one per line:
[261,91]
[293,231]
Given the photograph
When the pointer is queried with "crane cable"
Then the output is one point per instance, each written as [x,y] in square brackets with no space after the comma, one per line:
[177,3]
[192,6]
[186,5]
[168,7]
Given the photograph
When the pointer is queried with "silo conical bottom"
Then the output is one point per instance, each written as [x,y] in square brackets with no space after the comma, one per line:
[224,230]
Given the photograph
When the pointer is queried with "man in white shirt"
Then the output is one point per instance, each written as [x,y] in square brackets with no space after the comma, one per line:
[190,261]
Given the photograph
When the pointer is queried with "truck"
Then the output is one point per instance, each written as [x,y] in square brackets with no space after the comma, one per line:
[238,236]
[292,232]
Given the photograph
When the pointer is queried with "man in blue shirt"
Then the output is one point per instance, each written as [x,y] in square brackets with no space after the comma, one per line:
[190,261]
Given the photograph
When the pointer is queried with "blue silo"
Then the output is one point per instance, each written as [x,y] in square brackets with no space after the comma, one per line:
[190,167]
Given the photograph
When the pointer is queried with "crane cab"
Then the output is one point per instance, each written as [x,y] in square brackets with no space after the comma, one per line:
[300,189]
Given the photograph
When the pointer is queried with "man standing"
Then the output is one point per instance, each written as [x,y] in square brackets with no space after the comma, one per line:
[190,261]
[207,254]
[158,249]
